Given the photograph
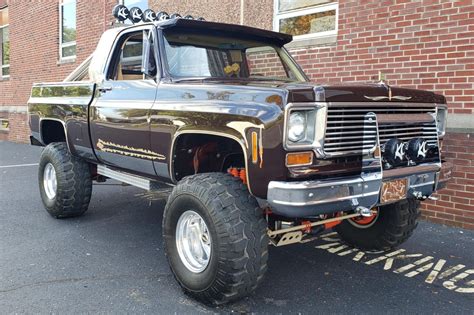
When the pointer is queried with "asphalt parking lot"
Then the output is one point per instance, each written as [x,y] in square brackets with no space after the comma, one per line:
[111,260]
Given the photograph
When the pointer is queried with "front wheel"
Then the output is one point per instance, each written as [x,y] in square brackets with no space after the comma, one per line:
[391,226]
[64,181]
[215,238]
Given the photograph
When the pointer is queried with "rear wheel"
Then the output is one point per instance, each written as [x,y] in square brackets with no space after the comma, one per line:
[215,238]
[65,182]
[391,226]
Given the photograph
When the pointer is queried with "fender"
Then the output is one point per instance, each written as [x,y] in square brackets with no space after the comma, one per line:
[239,139]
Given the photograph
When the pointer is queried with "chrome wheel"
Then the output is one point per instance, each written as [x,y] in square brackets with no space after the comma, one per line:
[50,183]
[193,241]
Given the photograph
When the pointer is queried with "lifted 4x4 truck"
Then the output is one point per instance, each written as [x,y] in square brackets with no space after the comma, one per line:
[256,155]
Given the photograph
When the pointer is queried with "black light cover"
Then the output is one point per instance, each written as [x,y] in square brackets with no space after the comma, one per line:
[162,15]
[120,12]
[148,15]
[394,152]
[417,149]
[135,14]
[175,16]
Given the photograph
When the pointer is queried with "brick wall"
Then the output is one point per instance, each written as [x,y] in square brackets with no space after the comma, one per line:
[425,44]
[456,203]
[34,51]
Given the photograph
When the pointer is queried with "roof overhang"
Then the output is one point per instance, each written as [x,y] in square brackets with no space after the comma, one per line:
[247,32]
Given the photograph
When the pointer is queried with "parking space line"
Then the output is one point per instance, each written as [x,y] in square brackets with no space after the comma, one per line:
[18,165]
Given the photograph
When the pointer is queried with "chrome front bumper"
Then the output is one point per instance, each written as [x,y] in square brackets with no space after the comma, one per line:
[310,198]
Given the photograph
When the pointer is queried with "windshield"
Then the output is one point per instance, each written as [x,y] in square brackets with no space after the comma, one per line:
[200,55]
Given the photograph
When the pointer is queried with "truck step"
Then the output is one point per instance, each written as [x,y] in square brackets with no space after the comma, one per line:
[134,180]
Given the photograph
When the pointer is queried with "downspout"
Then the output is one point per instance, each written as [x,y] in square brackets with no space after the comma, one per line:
[241,12]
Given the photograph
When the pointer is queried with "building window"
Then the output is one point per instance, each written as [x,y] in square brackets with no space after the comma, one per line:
[142,4]
[67,29]
[5,42]
[4,125]
[306,18]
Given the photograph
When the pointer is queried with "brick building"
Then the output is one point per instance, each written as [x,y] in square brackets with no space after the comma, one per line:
[424,44]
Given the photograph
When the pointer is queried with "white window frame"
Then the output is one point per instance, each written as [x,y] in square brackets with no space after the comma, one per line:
[306,11]
[2,65]
[61,44]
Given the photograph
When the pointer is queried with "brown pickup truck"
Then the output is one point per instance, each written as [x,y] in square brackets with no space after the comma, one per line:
[255,154]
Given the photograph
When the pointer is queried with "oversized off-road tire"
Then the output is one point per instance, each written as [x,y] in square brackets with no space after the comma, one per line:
[64,181]
[392,226]
[215,238]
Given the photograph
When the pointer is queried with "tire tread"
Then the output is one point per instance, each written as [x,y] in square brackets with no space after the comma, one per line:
[74,181]
[394,228]
[241,229]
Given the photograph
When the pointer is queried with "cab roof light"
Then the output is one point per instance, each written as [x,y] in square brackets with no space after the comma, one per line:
[136,15]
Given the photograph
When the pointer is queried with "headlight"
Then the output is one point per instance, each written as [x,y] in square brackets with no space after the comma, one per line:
[296,126]
[305,125]
[441,119]
[300,128]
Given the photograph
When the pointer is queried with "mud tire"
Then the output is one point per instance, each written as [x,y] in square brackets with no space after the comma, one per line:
[394,225]
[74,183]
[239,250]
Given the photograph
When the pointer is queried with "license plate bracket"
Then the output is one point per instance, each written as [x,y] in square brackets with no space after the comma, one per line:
[394,190]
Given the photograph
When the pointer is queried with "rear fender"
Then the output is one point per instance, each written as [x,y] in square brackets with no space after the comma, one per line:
[67,103]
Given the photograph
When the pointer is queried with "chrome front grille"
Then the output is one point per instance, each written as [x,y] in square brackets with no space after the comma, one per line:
[405,133]
[349,130]
[346,135]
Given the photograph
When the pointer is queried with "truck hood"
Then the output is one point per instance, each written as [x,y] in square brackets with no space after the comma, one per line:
[309,92]
[360,93]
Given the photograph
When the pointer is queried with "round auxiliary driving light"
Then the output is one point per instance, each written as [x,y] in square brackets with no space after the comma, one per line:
[189,17]
[175,16]
[135,14]
[120,12]
[148,15]
[162,15]
[394,152]
[417,149]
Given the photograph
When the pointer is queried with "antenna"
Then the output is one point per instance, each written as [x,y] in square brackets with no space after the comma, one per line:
[136,15]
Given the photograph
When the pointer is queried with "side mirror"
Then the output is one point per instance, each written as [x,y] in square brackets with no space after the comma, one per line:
[148,60]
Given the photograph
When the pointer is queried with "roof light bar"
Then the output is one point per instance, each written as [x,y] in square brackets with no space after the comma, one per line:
[136,15]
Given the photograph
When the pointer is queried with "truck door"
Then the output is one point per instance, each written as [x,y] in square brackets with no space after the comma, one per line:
[119,117]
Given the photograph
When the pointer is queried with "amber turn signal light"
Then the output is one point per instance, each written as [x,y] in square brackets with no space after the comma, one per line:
[254,148]
[299,158]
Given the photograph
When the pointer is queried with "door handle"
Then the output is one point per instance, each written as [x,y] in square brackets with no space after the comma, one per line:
[104,89]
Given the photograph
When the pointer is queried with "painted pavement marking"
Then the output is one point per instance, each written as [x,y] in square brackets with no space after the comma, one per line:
[454,281]
[18,165]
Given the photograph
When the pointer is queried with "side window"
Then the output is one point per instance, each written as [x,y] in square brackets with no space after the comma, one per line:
[129,58]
